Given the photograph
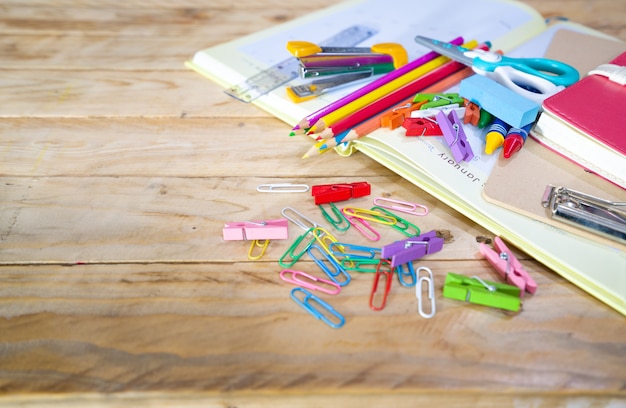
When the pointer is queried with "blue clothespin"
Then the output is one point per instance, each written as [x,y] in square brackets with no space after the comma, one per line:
[413,248]
[454,135]
[326,313]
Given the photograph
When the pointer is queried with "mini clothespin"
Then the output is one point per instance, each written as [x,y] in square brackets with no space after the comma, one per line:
[476,116]
[395,117]
[508,266]
[454,135]
[332,193]
[421,127]
[481,292]
[256,230]
[412,248]
[259,232]
[434,100]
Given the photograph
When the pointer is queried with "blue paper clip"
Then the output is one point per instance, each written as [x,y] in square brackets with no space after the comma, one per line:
[340,250]
[339,221]
[326,262]
[307,303]
[410,273]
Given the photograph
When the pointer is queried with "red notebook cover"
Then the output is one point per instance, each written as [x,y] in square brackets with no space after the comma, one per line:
[595,106]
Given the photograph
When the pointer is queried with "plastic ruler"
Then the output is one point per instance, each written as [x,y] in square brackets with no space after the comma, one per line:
[283,72]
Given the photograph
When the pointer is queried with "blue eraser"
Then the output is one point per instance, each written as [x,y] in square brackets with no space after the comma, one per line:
[500,101]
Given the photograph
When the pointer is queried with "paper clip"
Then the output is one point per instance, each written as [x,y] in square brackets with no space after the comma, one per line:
[454,136]
[481,292]
[593,214]
[309,283]
[409,249]
[362,265]
[402,206]
[290,257]
[256,230]
[324,238]
[339,249]
[339,221]
[301,221]
[383,269]
[368,215]
[403,226]
[508,266]
[364,228]
[332,193]
[282,188]
[331,267]
[410,272]
[327,314]
[430,290]
[258,244]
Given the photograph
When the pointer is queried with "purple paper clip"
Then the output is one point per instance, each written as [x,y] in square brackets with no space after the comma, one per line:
[454,135]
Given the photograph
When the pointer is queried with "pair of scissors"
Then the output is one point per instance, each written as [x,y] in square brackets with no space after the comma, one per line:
[534,78]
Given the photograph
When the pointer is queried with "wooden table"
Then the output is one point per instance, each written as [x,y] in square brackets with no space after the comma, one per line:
[119,168]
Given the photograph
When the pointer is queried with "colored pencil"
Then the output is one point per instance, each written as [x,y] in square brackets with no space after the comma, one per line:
[314,117]
[392,99]
[365,128]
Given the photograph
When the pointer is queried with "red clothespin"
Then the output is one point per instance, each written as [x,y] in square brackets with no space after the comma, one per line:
[332,193]
[395,117]
[472,114]
[508,266]
[454,135]
[413,248]
[421,127]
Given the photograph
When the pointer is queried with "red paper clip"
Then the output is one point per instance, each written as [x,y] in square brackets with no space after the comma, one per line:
[332,193]
[387,272]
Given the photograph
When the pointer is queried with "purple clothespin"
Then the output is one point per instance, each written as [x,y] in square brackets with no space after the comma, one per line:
[452,128]
[413,248]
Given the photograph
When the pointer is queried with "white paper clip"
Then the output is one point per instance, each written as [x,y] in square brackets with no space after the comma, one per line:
[300,219]
[402,206]
[430,291]
[283,188]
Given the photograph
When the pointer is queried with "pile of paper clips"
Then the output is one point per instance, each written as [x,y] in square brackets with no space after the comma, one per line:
[338,260]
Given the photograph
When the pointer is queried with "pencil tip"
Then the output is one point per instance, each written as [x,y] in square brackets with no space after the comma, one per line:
[305,156]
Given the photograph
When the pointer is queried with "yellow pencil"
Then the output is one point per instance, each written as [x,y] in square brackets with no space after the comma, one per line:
[368,98]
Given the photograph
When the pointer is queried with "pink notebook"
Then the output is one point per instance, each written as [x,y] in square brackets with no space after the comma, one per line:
[595,106]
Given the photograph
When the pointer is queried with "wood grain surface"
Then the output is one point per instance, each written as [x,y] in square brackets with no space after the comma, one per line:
[118,170]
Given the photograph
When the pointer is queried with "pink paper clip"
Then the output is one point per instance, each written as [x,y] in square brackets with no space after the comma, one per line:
[256,230]
[413,248]
[508,266]
[295,280]
[364,227]
[402,206]
[453,133]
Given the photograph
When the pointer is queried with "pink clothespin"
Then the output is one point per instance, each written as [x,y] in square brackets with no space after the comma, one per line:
[508,266]
[452,129]
[256,230]
[413,248]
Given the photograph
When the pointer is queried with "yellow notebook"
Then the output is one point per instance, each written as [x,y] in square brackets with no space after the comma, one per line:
[512,27]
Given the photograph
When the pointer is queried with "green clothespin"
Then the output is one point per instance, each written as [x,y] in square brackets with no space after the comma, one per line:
[481,292]
[438,99]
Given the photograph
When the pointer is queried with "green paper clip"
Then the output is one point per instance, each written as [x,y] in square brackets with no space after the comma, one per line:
[301,244]
[402,225]
[436,100]
[339,221]
[481,292]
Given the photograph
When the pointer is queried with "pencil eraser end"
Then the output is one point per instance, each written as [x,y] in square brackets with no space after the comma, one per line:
[499,101]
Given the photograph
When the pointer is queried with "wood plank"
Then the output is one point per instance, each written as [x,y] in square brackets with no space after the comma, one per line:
[229,327]
[181,147]
[154,219]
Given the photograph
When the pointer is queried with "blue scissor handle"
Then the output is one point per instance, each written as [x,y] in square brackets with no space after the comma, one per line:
[559,73]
